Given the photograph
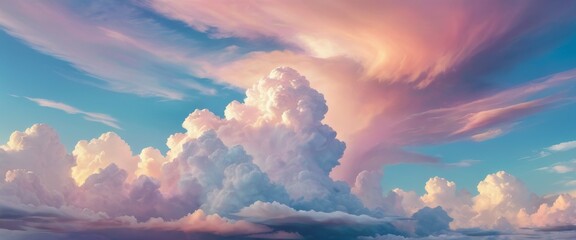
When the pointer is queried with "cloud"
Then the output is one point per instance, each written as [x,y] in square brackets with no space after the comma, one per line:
[463,163]
[503,203]
[368,188]
[38,149]
[260,171]
[96,154]
[278,214]
[90,116]
[431,221]
[72,223]
[122,49]
[399,70]
[280,126]
[561,167]
[560,147]
[570,183]
[222,180]
[313,225]
[375,34]
[487,135]
[488,117]
[564,146]
[39,194]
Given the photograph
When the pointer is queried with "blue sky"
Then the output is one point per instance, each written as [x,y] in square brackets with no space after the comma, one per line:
[415,91]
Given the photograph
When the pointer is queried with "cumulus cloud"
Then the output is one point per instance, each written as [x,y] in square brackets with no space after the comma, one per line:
[431,221]
[38,150]
[38,185]
[221,179]
[98,153]
[560,213]
[367,187]
[261,171]
[503,203]
[280,126]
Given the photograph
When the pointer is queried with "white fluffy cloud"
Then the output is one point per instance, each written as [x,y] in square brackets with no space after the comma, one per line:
[221,179]
[99,153]
[503,203]
[261,171]
[279,125]
[41,158]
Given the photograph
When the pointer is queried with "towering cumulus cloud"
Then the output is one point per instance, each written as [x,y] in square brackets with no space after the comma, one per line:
[279,124]
[261,171]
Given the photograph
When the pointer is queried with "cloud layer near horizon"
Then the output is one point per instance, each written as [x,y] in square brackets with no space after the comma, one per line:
[262,171]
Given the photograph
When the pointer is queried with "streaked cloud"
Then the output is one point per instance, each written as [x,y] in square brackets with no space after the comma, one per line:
[571,183]
[90,116]
[564,146]
[463,163]
[490,134]
[125,51]
[387,38]
[561,167]
[556,148]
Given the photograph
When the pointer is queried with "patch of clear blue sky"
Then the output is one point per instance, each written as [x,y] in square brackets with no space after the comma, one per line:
[507,152]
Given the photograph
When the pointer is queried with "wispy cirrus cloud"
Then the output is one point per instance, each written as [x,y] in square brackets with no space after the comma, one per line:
[90,116]
[564,146]
[561,167]
[463,163]
[490,134]
[121,48]
[559,147]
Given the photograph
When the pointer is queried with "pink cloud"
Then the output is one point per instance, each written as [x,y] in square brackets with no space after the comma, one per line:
[487,135]
[480,120]
[431,123]
[392,40]
[393,73]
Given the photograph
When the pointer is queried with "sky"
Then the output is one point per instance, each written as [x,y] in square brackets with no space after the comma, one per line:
[287,119]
